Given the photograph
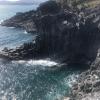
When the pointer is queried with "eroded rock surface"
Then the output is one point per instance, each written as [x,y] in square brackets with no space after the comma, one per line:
[88,83]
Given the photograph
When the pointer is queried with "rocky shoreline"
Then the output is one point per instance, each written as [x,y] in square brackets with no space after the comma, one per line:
[22,20]
[61,33]
[69,36]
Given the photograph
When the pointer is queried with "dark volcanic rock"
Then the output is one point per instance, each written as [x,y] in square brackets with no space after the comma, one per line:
[69,38]
[49,7]
[26,51]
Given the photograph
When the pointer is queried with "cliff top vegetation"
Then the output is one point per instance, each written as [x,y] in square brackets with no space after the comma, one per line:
[79,3]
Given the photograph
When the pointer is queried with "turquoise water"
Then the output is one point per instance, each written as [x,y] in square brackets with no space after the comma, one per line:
[32,79]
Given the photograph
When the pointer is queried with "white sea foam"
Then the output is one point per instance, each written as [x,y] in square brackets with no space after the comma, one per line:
[25,32]
[11,27]
[72,79]
[38,62]
[4,97]
[1,21]
[56,92]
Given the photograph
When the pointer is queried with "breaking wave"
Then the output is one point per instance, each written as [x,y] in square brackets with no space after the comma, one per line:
[1,21]
[37,62]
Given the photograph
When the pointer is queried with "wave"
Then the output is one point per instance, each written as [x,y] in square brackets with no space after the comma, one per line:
[72,79]
[38,62]
[65,83]
[1,21]
[25,32]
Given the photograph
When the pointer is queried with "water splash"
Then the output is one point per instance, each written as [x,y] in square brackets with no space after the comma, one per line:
[1,21]
[37,62]
[25,32]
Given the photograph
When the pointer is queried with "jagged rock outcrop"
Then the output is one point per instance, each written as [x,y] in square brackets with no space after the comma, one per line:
[62,34]
[22,20]
[87,86]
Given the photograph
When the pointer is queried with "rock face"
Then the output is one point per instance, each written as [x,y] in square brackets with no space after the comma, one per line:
[61,35]
[88,84]
[73,38]
[64,35]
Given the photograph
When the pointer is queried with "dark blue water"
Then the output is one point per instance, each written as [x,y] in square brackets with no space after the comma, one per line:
[29,80]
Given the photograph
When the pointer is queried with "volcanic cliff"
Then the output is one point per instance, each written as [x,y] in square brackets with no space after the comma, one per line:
[69,36]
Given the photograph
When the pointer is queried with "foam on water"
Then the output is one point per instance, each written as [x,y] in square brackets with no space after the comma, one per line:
[38,62]
[58,92]
[25,32]
[1,21]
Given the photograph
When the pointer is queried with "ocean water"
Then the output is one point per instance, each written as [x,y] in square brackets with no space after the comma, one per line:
[32,79]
